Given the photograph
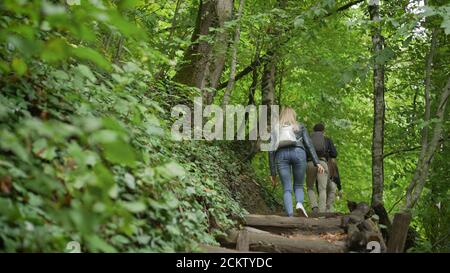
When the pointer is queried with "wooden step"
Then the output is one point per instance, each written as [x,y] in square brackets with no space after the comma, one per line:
[284,225]
[262,241]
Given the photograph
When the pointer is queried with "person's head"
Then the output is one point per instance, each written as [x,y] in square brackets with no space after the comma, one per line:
[288,117]
[319,127]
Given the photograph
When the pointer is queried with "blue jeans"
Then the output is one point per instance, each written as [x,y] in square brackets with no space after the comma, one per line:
[286,159]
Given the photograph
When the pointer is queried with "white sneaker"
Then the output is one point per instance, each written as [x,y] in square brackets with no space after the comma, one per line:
[301,209]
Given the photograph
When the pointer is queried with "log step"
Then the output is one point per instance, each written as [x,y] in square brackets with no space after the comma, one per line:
[285,225]
[217,249]
[267,242]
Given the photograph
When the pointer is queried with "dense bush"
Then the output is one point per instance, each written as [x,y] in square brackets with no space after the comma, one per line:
[85,150]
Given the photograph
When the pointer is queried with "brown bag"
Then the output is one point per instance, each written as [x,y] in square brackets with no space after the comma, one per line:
[332,168]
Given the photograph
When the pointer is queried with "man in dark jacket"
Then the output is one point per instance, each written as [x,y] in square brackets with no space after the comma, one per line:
[326,182]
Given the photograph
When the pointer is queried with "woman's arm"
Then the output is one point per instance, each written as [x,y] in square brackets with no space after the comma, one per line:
[272,152]
[309,146]
[273,170]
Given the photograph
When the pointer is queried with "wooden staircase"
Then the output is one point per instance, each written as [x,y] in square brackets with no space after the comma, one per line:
[323,233]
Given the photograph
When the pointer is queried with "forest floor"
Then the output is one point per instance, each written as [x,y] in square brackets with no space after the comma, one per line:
[253,197]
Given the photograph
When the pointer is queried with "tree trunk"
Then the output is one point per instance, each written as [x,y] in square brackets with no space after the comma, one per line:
[219,54]
[268,74]
[268,81]
[252,89]
[399,232]
[237,35]
[171,52]
[427,114]
[280,83]
[417,183]
[379,108]
[195,70]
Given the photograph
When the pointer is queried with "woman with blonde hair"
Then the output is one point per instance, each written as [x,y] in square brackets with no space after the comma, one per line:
[291,140]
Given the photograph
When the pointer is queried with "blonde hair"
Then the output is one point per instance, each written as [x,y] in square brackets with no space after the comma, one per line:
[288,117]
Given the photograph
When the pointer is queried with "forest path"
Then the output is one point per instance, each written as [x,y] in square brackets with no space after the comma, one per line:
[325,232]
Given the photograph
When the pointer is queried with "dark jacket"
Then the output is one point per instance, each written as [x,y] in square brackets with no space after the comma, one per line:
[332,165]
[303,141]
[330,151]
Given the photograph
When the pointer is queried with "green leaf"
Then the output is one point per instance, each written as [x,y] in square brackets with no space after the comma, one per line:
[127,4]
[97,243]
[60,75]
[43,150]
[73,2]
[130,181]
[173,169]
[134,207]
[86,72]
[90,54]
[19,66]
[299,22]
[119,152]
[55,50]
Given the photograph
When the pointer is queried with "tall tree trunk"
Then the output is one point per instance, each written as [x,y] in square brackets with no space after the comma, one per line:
[268,80]
[219,54]
[268,75]
[379,107]
[237,37]
[195,70]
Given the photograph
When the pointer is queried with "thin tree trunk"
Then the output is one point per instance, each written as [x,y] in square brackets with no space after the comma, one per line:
[280,83]
[237,37]
[255,74]
[425,129]
[416,185]
[428,84]
[118,50]
[171,52]
[379,109]
[415,188]
[174,24]
[251,93]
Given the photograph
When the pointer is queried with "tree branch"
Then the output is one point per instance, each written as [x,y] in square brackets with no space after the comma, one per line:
[416,185]
[410,149]
[266,57]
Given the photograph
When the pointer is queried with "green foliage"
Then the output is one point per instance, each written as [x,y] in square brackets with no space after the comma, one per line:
[85,155]
[85,97]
